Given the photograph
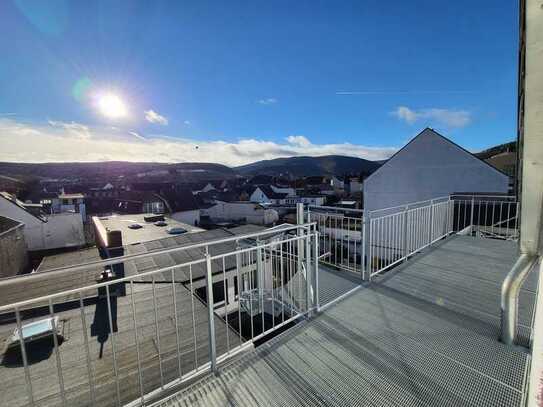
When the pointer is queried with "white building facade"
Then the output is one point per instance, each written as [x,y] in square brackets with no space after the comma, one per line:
[242,212]
[190,217]
[430,166]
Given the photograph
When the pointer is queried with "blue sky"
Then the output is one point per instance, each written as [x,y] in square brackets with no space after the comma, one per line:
[244,81]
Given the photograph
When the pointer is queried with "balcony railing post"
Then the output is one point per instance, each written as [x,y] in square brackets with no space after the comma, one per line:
[259,267]
[365,223]
[471,215]
[316,257]
[300,245]
[405,234]
[370,250]
[309,295]
[210,313]
[450,215]
[430,222]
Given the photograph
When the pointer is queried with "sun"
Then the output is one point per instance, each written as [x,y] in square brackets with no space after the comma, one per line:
[112,106]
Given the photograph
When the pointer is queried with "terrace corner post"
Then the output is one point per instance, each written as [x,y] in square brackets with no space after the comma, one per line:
[210,314]
[365,224]
[316,254]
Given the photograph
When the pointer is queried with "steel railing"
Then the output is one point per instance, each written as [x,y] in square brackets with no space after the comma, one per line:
[370,242]
[341,238]
[493,216]
[135,336]
[404,231]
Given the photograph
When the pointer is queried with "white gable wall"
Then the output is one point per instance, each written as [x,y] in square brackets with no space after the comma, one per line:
[60,230]
[191,217]
[428,167]
[259,196]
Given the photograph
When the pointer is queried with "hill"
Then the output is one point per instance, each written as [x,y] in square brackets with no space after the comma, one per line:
[503,157]
[510,147]
[112,169]
[306,166]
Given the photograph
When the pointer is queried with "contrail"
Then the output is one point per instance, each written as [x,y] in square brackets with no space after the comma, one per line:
[403,92]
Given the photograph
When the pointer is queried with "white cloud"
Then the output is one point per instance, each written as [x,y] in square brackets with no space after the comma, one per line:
[137,135]
[23,142]
[299,141]
[187,122]
[153,117]
[446,117]
[72,128]
[268,101]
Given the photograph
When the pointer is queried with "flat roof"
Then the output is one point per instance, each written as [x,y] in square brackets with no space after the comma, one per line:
[28,286]
[42,360]
[149,230]
[193,336]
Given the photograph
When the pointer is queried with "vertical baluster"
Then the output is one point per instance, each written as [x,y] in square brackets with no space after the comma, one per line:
[260,283]
[136,341]
[210,313]
[335,241]
[157,333]
[178,342]
[308,296]
[193,318]
[87,351]
[370,248]
[493,217]
[238,274]
[348,242]
[225,304]
[251,288]
[113,351]
[273,285]
[316,251]
[22,345]
[281,265]
[57,353]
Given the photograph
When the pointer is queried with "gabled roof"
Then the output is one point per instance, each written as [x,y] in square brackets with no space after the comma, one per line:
[424,133]
[270,193]
[179,200]
[21,205]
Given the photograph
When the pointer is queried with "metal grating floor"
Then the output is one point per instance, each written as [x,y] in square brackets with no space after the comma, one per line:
[403,341]
[335,283]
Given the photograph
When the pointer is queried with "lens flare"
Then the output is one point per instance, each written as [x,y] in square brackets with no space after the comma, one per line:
[112,106]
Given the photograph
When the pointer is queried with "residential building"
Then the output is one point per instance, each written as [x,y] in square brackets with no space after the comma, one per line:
[54,203]
[44,231]
[181,205]
[138,202]
[202,187]
[430,166]
[73,203]
[318,200]
[355,185]
[337,183]
[283,190]
[265,194]
[246,212]
[13,251]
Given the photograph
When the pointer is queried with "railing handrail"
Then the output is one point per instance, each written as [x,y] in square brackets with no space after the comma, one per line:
[335,208]
[513,197]
[407,205]
[19,304]
[128,257]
